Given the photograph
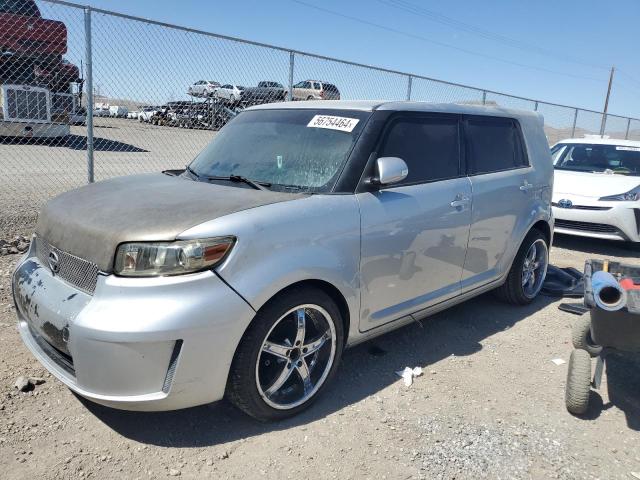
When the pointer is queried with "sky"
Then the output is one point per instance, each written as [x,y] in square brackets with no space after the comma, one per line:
[555,51]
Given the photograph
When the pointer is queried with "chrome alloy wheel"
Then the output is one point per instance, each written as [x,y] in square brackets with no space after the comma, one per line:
[296,357]
[534,268]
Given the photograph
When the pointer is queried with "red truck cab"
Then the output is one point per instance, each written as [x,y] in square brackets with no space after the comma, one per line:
[24,33]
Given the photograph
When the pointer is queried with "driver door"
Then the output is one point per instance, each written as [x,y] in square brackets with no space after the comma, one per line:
[415,232]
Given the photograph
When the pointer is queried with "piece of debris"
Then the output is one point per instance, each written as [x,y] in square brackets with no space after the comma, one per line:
[558,361]
[174,473]
[635,475]
[23,384]
[37,380]
[408,374]
[575,308]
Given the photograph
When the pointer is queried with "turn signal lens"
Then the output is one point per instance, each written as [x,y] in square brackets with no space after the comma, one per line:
[171,258]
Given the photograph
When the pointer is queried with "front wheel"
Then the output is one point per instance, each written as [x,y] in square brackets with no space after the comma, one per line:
[288,354]
[528,270]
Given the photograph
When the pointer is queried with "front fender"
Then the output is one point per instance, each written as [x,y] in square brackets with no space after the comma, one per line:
[311,238]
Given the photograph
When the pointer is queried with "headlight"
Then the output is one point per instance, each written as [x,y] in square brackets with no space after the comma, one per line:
[171,258]
[630,196]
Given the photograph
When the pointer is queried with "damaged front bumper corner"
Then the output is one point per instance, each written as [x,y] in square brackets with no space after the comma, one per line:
[135,344]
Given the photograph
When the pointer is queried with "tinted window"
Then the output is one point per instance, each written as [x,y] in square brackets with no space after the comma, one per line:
[19,7]
[429,146]
[493,145]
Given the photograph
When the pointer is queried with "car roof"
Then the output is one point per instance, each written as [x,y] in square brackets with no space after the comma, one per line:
[402,106]
[602,141]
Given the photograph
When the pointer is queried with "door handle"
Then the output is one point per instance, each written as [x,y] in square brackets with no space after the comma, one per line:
[460,201]
[526,186]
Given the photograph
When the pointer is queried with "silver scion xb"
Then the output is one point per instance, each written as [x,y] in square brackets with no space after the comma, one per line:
[301,229]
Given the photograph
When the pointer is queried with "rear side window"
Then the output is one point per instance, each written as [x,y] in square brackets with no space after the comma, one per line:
[494,145]
[429,146]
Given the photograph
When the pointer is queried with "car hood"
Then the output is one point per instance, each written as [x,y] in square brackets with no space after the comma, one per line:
[91,221]
[588,184]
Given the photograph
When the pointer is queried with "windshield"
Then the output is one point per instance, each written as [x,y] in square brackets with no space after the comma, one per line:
[304,149]
[19,7]
[585,157]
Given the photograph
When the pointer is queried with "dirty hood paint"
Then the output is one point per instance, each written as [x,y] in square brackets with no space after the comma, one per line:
[91,221]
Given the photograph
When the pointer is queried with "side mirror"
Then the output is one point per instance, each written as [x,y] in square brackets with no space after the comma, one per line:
[389,170]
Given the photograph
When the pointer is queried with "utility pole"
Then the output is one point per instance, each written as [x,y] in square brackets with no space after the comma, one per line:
[606,102]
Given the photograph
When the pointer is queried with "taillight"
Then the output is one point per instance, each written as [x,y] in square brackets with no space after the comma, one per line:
[321,93]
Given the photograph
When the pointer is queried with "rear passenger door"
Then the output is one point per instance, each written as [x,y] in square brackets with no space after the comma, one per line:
[414,233]
[501,180]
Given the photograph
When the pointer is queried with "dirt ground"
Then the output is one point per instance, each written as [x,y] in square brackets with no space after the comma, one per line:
[489,405]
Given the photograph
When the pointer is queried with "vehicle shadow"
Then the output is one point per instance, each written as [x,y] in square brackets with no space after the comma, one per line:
[596,246]
[79,142]
[623,386]
[75,142]
[365,370]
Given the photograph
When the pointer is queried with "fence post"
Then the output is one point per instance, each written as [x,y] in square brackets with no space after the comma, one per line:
[291,64]
[535,106]
[484,97]
[409,84]
[575,121]
[604,124]
[626,135]
[89,85]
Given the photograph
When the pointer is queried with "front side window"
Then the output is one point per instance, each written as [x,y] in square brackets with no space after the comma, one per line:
[429,146]
[585,157]
[300,150]
[493,145]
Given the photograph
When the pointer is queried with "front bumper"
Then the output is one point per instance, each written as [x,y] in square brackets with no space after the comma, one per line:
[590,217]
[136,344]
[34,130]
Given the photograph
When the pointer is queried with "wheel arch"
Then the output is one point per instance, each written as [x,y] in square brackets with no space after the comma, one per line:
[331,290]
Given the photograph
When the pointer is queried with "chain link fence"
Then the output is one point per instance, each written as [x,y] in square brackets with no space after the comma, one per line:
[89,94]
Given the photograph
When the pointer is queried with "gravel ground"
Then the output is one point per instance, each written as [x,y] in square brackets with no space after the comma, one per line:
[489,405]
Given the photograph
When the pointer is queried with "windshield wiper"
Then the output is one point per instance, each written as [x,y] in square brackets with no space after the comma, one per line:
[240,179]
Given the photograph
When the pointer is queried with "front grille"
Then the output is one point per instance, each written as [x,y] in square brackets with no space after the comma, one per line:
[582,207]
[27,104]
[586,226]
[80,273]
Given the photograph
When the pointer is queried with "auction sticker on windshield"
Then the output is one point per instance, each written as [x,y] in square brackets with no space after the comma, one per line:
[344,124]
[629,149]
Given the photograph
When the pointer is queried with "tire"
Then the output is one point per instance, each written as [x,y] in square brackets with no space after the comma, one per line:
[254,362]
[513,290]
[578,382]
[581,337]
[310,97]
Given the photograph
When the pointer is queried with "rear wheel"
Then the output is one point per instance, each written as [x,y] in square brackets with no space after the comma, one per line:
[288,354]
[578,382]
[528,270]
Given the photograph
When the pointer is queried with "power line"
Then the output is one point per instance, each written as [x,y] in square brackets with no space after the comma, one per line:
[629,77]
[410,7]
[442,44]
